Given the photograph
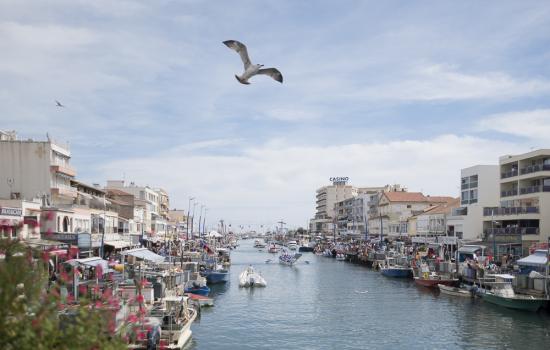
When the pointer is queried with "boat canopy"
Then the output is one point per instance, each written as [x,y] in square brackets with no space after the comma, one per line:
[145,254]
[118,244]
[537,259]
[470,249]
[94,261]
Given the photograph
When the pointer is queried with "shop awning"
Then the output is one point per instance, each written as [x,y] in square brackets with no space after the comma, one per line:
[537,259]
[145,254]
[118,244]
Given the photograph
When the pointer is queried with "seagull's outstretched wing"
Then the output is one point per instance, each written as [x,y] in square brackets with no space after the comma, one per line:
[240,48]
[272,72]
[58,104]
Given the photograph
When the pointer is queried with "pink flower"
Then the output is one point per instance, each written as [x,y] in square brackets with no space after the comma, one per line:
[132,319]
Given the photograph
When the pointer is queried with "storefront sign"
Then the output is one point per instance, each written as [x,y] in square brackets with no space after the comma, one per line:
[11,211]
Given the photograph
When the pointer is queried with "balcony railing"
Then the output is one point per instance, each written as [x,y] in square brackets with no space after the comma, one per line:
[509,193]
[513,231]
[534,189]
[487,211]
[507,174]
[534,168]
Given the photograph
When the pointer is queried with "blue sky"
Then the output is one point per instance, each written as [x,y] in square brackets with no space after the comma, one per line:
[382,92]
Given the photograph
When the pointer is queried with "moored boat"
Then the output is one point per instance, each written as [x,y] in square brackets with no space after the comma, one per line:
[390,269]
[434,280]
[502,293]
[397,271]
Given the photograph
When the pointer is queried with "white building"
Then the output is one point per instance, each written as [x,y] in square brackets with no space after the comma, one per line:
[326,198]
[479,188]
[522,218]
[35,170]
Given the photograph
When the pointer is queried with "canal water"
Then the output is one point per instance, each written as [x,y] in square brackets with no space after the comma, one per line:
[329,304]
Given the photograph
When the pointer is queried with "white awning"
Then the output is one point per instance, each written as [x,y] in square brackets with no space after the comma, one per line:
[537,259]
[145,254]
[118,244]
[90,262]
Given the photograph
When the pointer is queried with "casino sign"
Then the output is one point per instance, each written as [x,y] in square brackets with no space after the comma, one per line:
[339,181]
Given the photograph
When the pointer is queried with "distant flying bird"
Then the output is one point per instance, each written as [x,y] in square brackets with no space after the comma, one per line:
[58,104]
[250,69]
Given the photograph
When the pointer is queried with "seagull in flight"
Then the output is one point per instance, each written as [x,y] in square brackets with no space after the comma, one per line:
[250,69]
[58,104]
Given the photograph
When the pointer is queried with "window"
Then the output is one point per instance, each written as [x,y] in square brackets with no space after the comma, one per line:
[409,206]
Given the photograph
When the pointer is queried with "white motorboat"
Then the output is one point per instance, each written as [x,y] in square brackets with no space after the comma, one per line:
[259,244]
[250,278]
[292,245]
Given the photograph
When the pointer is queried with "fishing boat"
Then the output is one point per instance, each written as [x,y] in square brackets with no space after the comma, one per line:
[286,258]
[273,248]
[258,244]
[197,286]
[390,269]
[503,294]
[201,300]
[169,323]
[250,278]
[216,275]
[455,291]
[292,245]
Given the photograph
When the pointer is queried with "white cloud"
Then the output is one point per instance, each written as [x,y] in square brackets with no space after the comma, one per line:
[533,124]
[278,180]
[444,82]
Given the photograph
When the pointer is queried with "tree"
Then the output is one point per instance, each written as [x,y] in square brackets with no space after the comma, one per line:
[33,313]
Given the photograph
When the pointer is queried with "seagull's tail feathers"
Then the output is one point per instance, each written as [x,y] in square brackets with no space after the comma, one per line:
[241,80]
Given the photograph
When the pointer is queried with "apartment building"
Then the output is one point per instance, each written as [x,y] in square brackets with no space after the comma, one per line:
[479,188]
[326,197]
[521,219]
[36,170]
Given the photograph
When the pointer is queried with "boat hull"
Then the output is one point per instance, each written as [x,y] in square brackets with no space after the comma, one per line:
[305,249]
[432,283]
[525,304]
[200,291]
[213,277]
[396,272]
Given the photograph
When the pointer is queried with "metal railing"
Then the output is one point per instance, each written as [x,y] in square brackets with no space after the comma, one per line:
[509,193]
[488,211]
[513,231]
[534,168]
[511,173]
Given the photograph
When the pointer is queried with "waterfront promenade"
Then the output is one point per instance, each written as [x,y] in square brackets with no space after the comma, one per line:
[329,304]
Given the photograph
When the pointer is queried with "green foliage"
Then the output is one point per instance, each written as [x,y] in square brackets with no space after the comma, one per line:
[30,316]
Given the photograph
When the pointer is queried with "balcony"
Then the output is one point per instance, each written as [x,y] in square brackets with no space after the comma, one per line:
[509,193]
[487,211]
[510,173]
[534,168]
[513,231]
[63,170]
[534,189]
[62,191]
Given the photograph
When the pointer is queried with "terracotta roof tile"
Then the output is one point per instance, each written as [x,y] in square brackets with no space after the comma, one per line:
[405,197]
